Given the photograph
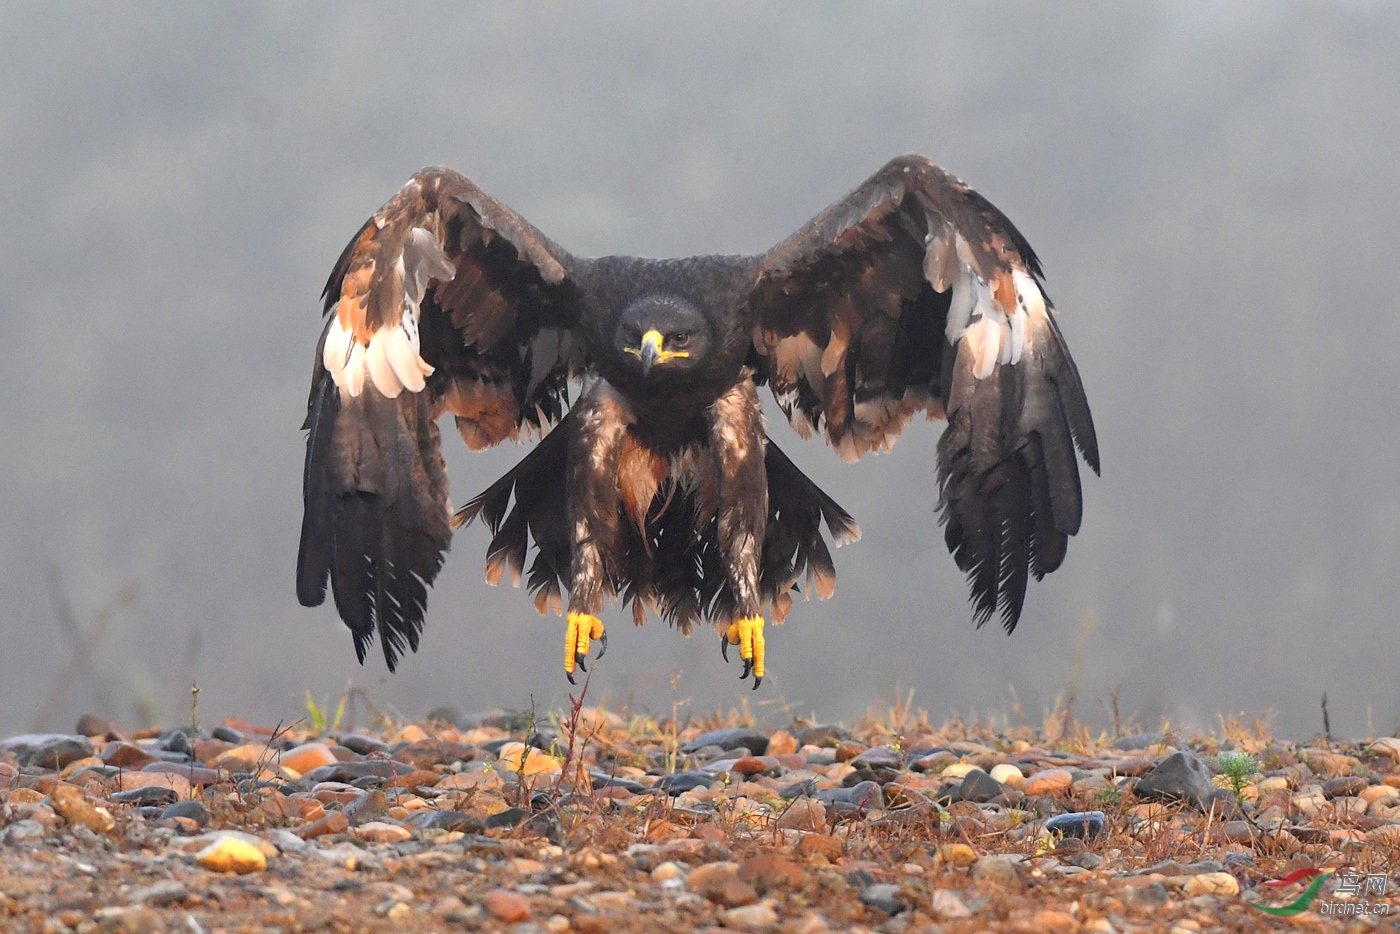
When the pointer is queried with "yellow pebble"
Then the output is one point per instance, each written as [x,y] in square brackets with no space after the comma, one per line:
[536,761]
[232,855]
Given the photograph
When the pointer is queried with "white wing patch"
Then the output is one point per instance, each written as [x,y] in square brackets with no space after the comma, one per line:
[991,333]
[391,359]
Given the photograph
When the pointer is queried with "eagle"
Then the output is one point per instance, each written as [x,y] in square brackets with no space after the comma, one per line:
[654,482]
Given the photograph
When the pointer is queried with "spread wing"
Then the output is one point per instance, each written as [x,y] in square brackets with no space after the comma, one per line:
[915,294]
[445,301]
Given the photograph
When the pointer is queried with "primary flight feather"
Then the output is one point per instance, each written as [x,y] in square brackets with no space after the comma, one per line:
[659,485]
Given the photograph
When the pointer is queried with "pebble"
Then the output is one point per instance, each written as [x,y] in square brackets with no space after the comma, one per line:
[47,750]
[193,809]
[382,832]
[24,832]
[333,822]
[749,917]
[770,870]
[680,782]
[876,757]
[804,814]
[949,905]
[1347,786]
[819,844]
[303,759]
[510,907]
[720,883]
[998,869]
[536,762]
[1181,776]
[1052,783]
[884,897]
[979,787]
[1050,921]
[668,870]
[1386,746]
[781,743]
[1085,825]
[1212,883]
[746,737]
[176,784]
[72,805]
[230,854]
[1009,775]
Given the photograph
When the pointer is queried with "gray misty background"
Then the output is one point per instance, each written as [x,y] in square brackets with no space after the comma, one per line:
[1212,190]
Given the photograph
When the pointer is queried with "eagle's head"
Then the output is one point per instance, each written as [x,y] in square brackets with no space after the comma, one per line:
[663,333]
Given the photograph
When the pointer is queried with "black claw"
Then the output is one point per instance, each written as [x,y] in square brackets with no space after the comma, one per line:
[724,648]
[579,661]
[756,683]
[748,668]
[602,646]
[570,676]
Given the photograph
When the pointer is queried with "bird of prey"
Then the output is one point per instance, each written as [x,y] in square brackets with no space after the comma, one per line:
[658,486]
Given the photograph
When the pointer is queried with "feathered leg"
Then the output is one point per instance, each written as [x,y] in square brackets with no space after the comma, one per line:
[595,455]
[737,439]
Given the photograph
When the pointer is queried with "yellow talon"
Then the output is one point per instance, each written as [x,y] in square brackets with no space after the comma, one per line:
[747,634]
[583,628]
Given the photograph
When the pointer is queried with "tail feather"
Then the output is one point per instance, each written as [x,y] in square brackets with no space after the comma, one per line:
[675,569]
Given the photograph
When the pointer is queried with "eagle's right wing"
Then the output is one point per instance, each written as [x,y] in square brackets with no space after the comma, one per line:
[445,301]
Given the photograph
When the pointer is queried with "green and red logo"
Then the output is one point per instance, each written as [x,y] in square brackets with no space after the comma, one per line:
[1301,903]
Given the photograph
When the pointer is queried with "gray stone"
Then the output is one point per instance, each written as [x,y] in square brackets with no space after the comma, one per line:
[1137,741]
[756,741]
[510,817]
[1224,803]
[364,745]
[371,806]
[192,808]
[168,892]
[866,795]
[877,757]
[604,780]
[806,788]
[24,833]
[148,796]
[979,787]
[351,772]
[1181,776]
[448,820]
[883,896]
[821,735]
[47,750]
[998,869]
[1086,825]
[679,782]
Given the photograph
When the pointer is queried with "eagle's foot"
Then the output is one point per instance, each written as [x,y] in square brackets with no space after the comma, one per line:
[747,634]
[583,628]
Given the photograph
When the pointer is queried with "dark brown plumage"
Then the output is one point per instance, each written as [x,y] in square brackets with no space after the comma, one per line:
[658,485]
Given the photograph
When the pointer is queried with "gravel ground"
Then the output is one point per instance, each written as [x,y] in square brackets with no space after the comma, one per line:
[591,821]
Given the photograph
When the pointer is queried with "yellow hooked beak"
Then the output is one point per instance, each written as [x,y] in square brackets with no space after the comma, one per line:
[651,353]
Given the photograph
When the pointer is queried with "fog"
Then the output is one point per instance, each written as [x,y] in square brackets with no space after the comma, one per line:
[1212,190]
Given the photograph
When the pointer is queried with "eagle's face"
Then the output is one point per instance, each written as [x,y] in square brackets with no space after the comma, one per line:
[663,333]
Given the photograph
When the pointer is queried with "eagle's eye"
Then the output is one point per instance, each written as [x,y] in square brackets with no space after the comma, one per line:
[681,339]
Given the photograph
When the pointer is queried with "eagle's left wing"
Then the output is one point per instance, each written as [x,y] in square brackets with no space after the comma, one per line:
[915,294]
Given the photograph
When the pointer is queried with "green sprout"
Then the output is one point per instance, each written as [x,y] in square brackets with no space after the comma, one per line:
[318,714]
[1236,769]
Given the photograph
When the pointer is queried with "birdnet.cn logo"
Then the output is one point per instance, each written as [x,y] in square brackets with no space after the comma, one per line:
[1350,896]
